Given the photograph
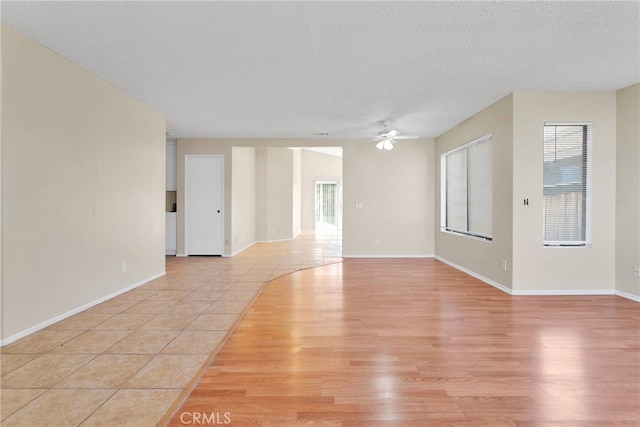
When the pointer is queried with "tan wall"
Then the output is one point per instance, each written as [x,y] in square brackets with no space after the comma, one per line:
[628,190]
[479,256]
[83,187]
[316,166]
[279,194]
[410,236]
[395,190]
[243,198]
[538,268]
[297,191]
[261,194]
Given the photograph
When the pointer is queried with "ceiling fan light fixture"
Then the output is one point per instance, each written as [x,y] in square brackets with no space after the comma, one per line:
[388,144]
[385,144]
[387,138]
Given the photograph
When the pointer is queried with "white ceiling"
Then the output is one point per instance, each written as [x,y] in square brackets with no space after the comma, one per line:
[294,69]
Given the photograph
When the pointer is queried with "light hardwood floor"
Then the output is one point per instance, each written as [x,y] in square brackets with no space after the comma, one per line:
[418,343]
[357,343]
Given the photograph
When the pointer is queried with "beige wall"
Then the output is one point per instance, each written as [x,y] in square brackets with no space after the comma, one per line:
[407,234]
[274,194]
[628,190]
[482,257]
[517,122]
[262,155]
[316,166]
[563,270]
[297,191]
[243,198]
[1,185]
[279,194]
[395,193]
[83,187]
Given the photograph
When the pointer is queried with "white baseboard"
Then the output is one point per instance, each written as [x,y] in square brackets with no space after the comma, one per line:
[488,281]
[541,292]
[169,252]
[181,255]
[77,310]
[381,256]
[562,292]
[628,295]
[273,241]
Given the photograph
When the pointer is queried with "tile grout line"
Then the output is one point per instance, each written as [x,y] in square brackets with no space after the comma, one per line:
[172,410]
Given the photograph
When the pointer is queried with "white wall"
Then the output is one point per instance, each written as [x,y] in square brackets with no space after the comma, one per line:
[482,257]
[628,190]
[243,198]
[83,187]
[540,269]
[395,190]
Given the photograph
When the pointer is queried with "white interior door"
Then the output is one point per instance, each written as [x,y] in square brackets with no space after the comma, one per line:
[203,205]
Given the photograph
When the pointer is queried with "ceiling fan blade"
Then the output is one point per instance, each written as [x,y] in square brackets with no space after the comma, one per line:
[406,137]
[392,133]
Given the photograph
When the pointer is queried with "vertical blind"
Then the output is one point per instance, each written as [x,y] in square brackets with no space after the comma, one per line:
[567,202]
[468,190]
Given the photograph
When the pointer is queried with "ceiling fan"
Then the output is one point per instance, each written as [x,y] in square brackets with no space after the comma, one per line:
[387,138]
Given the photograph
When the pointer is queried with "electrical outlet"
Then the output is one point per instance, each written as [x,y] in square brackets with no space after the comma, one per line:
[376,242]
[124,267]
[636,270]
[504,265]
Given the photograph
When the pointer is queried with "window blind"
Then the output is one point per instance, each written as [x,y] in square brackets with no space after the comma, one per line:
[468,188]
[567,200]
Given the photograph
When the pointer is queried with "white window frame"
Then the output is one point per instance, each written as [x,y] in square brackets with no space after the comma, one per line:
[443,190]
[588,192]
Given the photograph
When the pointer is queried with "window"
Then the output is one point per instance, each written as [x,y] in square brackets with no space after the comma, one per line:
[467,188]
[567,183]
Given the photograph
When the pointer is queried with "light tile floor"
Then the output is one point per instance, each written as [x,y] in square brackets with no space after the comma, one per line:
[128,360]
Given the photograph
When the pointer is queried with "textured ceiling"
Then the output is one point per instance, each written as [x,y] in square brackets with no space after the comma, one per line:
[294,69]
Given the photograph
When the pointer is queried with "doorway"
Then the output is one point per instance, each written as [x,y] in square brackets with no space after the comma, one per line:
[328,202]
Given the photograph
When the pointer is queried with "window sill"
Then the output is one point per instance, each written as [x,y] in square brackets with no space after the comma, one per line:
[469,235]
